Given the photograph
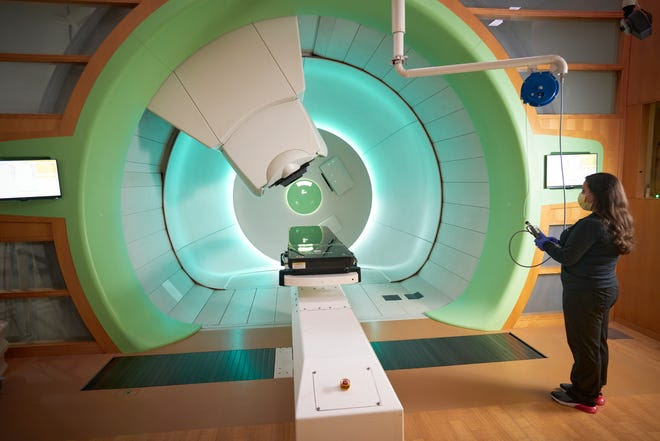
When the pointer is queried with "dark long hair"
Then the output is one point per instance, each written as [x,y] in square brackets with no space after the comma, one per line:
[611,204]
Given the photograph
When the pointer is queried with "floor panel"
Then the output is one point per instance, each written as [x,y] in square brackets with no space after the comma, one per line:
[272,306]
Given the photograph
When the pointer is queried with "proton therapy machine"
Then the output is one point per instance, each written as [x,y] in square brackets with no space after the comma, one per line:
[241,94]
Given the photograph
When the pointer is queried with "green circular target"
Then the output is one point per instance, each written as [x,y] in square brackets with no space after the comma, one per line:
[304,196]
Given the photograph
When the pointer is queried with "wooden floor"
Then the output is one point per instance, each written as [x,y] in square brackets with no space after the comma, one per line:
[41,397]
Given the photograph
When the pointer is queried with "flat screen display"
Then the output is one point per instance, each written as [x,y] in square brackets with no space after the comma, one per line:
[32,178]
[576,167]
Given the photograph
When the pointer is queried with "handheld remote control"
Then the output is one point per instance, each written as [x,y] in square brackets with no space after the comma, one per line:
[534,231]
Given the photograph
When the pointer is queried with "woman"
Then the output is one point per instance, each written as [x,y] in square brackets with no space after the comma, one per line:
[588,252]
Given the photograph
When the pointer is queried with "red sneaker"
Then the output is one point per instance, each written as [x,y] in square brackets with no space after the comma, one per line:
[562,398]
[600,400]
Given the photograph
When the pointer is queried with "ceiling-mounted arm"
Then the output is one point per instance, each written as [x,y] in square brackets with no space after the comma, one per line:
[399,29]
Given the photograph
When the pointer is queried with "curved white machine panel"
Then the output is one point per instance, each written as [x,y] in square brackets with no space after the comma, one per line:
[241,92]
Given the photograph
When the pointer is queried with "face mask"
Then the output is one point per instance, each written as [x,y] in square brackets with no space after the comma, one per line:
[583,202]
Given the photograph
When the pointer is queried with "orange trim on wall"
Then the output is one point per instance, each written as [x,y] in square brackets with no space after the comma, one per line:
[44,58]
[536,14]
[25,231]
[34,293]
[21,126]
[91,2]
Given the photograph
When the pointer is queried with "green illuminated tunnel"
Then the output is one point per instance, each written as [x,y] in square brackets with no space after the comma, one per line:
[484,191]
[403,178]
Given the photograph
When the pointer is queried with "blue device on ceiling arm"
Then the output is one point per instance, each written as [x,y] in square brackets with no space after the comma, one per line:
[539,89]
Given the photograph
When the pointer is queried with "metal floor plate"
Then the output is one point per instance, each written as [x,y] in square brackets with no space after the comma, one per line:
[259,364]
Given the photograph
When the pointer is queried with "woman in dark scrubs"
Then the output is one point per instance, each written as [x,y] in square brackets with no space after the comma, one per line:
[588,252]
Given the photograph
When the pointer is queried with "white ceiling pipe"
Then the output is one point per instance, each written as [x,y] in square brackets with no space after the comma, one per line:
[399,29]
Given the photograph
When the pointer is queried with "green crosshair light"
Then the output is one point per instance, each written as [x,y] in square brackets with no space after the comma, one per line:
[304,196]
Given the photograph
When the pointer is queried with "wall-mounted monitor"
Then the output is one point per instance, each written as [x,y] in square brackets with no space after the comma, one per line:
[576,167]
[29,178]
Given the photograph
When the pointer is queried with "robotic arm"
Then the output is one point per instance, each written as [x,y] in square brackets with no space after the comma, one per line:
[539,88]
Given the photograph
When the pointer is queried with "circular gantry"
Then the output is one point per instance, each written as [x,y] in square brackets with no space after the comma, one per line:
[401,129]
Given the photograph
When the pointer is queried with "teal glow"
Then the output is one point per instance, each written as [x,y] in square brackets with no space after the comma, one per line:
[323,125]
[202,221]
[304,196]
[200,217]
[397,153]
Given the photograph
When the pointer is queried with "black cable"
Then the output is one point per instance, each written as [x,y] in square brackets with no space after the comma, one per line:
[561,166]
[561,151]
[513,258]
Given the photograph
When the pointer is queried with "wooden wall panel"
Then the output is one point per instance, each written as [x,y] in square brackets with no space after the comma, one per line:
[633,176]
[606,129]
[16,126]
[76,292]
[639,302]
[28,228]
[25,230]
